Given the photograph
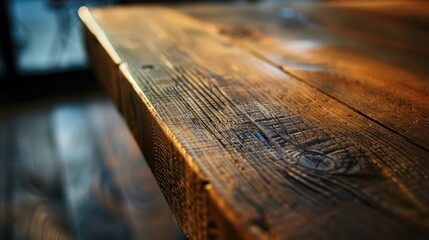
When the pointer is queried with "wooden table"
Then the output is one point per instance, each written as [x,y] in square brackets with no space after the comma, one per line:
[306,121]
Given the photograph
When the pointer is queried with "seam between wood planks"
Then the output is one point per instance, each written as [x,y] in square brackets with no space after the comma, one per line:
[190,158]
[245,47]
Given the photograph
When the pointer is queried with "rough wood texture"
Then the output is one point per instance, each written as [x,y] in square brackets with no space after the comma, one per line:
[379,51]
[243,150]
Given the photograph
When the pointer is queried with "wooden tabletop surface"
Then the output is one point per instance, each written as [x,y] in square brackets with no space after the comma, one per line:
[265,121]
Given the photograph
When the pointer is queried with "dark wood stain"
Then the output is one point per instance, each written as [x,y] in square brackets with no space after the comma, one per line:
[370,48]
[71,170]
[5,180]
[242,149]
[35,203]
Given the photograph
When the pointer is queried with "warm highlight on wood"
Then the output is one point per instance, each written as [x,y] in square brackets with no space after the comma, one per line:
[247,144]
[373,57]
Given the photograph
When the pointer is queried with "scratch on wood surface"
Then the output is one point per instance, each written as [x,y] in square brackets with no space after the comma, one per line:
[228,134]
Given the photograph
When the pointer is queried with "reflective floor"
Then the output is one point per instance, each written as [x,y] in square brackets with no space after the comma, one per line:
[72,170]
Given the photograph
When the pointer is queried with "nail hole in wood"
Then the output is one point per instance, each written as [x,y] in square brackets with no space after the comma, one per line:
[148,66]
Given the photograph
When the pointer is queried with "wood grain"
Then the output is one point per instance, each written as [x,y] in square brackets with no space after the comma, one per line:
[143,207]
[88,183]
[110,190]
[36,207]
[4,177]
[48,149]
[242,150]
[371,56]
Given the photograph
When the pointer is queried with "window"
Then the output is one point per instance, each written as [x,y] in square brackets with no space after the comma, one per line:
[47,35]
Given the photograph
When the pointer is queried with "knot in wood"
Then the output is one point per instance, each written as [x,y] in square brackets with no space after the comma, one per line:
[317,161]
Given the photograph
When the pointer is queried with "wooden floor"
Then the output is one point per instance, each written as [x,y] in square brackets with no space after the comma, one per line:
[71,170]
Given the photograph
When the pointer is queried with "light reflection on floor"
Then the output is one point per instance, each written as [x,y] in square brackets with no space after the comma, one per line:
[72,170]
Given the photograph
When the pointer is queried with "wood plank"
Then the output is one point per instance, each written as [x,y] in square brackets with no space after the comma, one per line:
[38,209]
[242,149]
[144,208]
[88,183]
[5,160]
[371,56]
[107,181]
[32,183]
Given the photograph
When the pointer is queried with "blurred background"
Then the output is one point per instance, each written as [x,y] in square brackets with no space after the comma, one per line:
[41,47]
[69,166]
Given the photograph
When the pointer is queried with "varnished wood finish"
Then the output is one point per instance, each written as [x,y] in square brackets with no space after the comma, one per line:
[4,180]
[71,170]
[88,182]
[241,149]
[111,192]
[37,206]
